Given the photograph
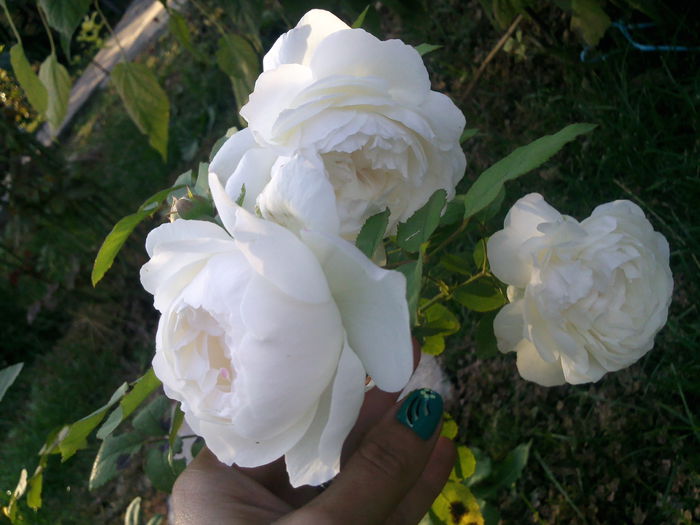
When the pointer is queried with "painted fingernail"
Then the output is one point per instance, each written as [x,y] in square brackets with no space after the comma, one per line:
[421,411]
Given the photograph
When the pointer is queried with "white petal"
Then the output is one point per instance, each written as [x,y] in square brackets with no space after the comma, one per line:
[273,251]
[273,93]
[509,326]
[230,154]
[299,196]
[298,45]
[253,172]
[533,368]
[503,249]
[285,360]
[182,230]
[372,304]
[316,458]
[230,447]
[357,53]
[446,120]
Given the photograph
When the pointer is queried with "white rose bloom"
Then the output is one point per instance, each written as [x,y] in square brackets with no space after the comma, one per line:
[585,298]
[266,337]
[343,125]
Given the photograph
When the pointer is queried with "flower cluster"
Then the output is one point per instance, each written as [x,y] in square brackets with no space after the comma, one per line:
[270,325]
[585,298]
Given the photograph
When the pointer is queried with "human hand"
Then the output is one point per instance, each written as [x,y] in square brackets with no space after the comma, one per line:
[389,474]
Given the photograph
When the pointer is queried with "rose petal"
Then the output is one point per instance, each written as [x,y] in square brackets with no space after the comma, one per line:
[372,304]
[253,172]
[316,457]
[230,154]
[508,326]
[533,368]
[298,45]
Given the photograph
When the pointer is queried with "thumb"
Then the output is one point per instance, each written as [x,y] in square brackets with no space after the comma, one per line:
[397,471]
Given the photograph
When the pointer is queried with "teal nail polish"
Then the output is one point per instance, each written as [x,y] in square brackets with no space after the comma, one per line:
[421,411]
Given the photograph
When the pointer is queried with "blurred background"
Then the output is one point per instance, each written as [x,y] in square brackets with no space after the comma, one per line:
[623,450]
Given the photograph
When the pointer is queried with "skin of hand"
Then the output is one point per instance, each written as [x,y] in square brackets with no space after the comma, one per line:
[389,475]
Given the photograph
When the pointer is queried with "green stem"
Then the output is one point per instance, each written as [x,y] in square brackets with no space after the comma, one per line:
[12,24]
[447,241]
[448,294]
[211,19]
[111,31]
[42,15]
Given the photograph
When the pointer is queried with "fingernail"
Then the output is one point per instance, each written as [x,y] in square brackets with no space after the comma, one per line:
[421,411]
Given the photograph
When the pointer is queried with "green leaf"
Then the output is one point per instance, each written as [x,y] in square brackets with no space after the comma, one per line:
[8,376]
[114,456]
[179,28]
[145,102]
[152,419]
[372,233]
[143,387]
[34,493]
[487,187]
[161,473]
[423,49]
[413,272]
[177,416]
[589,20]
[360,19]
[482,469]
[467,134]
[454,212]
[479,254]
[28,80]
[418,228]
[504,473]
[133,512]
[237,58]
[449,426]
[65,15]
[75,437]
[121,231]
[56,80]
[481,295]
[493,208]
[201,187]
[433,345]
[156,520]
[457,264]
[486,346]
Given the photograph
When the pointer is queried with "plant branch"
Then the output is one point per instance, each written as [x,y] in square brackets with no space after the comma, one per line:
[111,30]
[44,21]
[12,24]
[492,54]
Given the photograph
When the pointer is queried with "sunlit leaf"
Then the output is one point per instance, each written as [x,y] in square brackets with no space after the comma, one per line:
[360,19]
[8,376]
[28,80]
[487,187]
[424,49]
[449,427]
[372,233]
[133,512]
[75,438]
[56,80]
[143,387]
[418,228]
[465,464]
[145,102]
[34,493]
[120,233]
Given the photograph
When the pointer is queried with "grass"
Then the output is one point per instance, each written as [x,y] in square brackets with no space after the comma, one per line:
[623,450]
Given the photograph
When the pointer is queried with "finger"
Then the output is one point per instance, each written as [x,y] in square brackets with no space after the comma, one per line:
[374,406]
[385,467]
[210,492]
[419,499]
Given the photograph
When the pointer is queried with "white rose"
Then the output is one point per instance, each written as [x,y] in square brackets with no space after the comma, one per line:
[585,298]
[343,125]
[266,338]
